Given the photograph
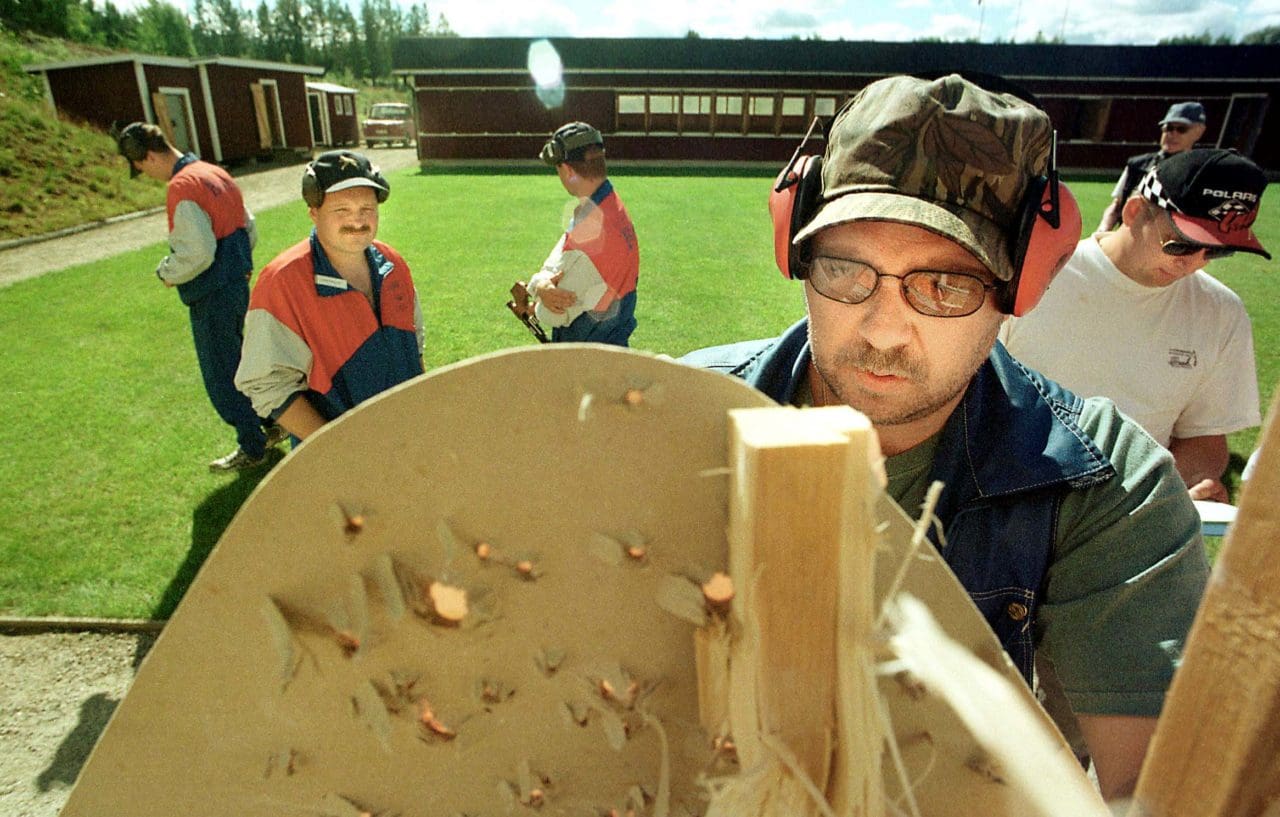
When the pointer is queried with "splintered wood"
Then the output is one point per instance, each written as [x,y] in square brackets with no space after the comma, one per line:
[801,544]
[1216,751]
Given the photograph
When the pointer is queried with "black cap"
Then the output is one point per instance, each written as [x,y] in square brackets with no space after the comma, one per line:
[1212,195]
[336,170]
[1186,113]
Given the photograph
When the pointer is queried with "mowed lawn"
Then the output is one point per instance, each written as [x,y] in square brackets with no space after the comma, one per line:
[108,508]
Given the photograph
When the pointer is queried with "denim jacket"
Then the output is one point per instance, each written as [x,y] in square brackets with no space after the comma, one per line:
[1008,454]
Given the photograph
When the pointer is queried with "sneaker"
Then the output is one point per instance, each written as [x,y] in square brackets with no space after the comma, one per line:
[235,461]
[276,435]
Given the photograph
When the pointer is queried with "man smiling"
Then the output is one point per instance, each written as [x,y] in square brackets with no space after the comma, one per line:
[1056,511]
[334,319]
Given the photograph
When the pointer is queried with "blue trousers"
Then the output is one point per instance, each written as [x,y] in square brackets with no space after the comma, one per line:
[217,326]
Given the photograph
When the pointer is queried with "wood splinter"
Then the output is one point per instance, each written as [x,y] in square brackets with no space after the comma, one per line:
[449,603]
[427,717]
[718,591]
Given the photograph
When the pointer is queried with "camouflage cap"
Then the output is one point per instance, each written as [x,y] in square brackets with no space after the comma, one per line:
[942,154]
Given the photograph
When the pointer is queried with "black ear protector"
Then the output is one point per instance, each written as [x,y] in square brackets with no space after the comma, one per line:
[1045,232]
[566,140]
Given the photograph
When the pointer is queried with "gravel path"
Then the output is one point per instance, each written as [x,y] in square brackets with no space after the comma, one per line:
[58,689]
[262,189]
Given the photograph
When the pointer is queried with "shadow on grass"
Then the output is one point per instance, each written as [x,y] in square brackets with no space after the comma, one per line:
[208,521]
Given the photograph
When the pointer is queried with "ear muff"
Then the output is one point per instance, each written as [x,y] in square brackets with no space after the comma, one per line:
[311,192]
[1048,230]
[553,151]
[132,147]
[792,203]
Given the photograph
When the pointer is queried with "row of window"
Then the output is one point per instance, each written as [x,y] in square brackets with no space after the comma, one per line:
[739,112]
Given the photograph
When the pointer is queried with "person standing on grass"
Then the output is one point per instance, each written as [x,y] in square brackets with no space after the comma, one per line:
[1171,345]
[1181,127]
[586,289]
[210,261]
[1064,521]
[334,319]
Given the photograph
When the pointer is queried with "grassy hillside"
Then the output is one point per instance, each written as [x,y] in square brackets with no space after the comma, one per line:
[54,173]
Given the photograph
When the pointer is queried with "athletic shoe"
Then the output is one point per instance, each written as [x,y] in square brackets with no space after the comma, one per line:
[235,461]
[276,435]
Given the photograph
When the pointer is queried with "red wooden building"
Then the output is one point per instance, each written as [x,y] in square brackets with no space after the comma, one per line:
[334,121]
[222,109]
[707,100]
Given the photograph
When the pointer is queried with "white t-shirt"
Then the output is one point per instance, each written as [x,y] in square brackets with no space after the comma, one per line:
[1177,359]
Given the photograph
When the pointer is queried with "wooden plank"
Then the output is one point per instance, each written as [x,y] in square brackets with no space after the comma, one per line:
[799,486]
[1216,751]
[260,115]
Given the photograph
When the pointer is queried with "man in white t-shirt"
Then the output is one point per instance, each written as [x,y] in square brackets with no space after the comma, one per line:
[1134,317]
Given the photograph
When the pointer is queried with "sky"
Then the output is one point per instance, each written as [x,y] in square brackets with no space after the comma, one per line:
[1076,21]
[1084,22]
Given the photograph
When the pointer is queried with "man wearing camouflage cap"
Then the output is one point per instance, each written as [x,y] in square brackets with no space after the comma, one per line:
[1170,344]
[1056,509]
[586,289]
[334,319]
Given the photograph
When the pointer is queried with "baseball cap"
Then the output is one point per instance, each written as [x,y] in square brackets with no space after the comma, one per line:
[1212,195]
[336,170]
[1186,113]
[943,154]
[569,143]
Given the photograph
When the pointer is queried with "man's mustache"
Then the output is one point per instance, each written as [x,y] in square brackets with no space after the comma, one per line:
[354,230]
[895,362]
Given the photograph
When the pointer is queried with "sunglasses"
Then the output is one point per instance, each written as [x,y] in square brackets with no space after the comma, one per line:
[1176,128]
[1180,248]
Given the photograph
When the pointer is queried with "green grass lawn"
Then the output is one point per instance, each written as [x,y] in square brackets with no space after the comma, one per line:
[108,508]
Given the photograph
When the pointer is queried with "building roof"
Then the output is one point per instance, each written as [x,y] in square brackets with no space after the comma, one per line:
[173,62]
[666,55]
[329,88]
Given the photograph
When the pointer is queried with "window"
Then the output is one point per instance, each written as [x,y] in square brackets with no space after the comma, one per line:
[631,103]
[761,106]
[697,104]
[824,106]
[793,106]
[731,105]
[662,103]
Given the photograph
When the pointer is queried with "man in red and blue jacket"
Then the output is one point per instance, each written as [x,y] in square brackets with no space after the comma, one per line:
[334,319]
[211,238]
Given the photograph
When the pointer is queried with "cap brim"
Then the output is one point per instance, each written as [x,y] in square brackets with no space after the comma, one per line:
[1209,232]
[981,237]
[1179,120]
[347,184]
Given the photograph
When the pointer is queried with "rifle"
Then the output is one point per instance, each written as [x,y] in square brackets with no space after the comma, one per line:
[521,305]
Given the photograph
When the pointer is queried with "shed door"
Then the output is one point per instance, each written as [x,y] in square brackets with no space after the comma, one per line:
[260,115]
[173,114]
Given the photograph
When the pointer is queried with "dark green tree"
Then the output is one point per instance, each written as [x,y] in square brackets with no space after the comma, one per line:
[1263,36]
[162,29]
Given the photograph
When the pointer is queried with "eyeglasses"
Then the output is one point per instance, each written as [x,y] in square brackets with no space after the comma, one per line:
[1180,248]
[929,292]
[1175,127]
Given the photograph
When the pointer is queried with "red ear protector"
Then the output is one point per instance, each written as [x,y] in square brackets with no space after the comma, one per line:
[1046,232]
[792,202]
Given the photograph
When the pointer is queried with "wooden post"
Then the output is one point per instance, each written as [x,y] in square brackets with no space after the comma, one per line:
[1216,751]
[801,544]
